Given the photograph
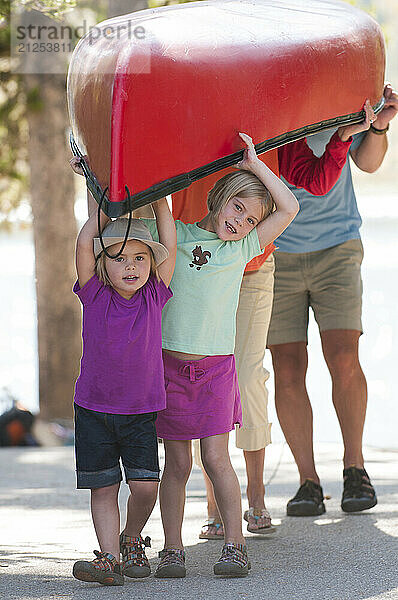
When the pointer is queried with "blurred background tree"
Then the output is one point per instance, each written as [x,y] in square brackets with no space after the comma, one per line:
[34,163]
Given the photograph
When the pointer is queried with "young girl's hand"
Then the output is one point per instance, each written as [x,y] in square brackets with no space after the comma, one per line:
[250,158]
[75,163]
[346,132]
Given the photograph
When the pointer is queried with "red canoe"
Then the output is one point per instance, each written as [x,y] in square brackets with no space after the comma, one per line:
[158,107]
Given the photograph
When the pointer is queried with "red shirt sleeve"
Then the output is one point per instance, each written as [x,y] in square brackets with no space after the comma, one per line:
[300,167]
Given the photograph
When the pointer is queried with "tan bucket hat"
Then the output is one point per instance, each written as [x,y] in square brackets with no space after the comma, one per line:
[115,232]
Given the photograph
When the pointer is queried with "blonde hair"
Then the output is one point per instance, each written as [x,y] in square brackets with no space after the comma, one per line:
[242,184]
[102,273]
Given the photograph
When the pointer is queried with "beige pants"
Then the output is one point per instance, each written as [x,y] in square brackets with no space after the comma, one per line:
[252,321]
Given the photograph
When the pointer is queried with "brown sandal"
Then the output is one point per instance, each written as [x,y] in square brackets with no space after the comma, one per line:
[257,514]
[205,531]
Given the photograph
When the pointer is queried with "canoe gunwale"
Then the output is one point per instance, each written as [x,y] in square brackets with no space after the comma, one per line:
[180,182]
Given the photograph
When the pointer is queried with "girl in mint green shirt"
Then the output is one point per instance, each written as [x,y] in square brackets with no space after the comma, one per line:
[247,210]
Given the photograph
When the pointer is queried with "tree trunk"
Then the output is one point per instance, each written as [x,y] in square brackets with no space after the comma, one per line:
[54,226]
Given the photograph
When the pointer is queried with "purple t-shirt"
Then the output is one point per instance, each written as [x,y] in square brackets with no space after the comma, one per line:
[121,370]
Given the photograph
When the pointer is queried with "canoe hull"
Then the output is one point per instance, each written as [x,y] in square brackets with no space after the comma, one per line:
[157,113]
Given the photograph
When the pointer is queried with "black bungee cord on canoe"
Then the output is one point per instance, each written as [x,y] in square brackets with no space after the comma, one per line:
[95,188]
[183,180]
[130,208]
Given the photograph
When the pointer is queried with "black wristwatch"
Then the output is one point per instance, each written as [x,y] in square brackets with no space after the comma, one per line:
[379,131]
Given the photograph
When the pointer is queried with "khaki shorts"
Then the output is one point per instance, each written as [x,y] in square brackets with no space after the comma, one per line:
[329,281]
[252,320]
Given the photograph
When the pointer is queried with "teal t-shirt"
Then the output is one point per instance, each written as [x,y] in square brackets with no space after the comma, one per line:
[200,318]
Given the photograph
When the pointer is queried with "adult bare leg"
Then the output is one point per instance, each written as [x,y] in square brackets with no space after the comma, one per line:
[257,517]
[295,416]
[293,406]
[255,482]
[349,389]
[340,348]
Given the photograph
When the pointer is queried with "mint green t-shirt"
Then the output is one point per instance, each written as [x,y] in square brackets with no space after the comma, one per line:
[200,318]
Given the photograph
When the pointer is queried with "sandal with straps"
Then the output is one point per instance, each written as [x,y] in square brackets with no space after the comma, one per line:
[257,514]
[104,569]
[233,561]
[215,524]
[134,560]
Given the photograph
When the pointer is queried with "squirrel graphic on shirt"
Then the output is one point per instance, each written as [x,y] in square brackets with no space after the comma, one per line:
[200,258]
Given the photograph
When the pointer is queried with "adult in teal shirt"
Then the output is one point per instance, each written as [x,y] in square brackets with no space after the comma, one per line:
[318,265]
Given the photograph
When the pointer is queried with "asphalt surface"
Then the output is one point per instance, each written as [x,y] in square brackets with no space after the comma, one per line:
[45,526]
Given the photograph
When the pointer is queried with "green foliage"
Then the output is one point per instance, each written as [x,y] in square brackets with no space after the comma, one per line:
[5,8]
[14,104]
[51,8]
[34,101]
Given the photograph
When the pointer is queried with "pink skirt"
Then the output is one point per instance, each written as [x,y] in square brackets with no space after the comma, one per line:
[202,398]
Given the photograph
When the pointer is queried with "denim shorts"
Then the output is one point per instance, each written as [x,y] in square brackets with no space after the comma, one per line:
[102,439]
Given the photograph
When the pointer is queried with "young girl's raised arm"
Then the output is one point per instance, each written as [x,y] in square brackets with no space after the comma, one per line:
[167,237]
[286,204]
[85,259]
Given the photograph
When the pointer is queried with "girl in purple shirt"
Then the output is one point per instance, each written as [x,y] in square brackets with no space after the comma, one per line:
[121,383]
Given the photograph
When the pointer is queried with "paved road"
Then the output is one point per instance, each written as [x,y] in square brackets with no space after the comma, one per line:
[45,527]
